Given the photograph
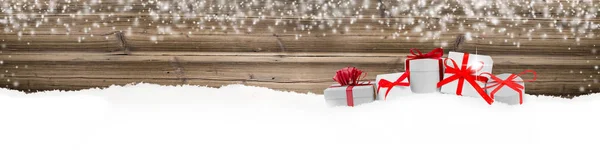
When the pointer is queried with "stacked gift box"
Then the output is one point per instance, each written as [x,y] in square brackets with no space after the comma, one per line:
[461,74]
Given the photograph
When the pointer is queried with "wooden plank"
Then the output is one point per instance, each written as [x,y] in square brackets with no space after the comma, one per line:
[567,89]
[290,26]
[395,58]
[322,73]
[253,43]
[58,74]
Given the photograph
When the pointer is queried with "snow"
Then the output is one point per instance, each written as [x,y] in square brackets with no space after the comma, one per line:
[153,117]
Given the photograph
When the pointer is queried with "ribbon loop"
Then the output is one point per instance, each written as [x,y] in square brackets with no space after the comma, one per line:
[479,67]
[528,71]
[433,54]
[453,63]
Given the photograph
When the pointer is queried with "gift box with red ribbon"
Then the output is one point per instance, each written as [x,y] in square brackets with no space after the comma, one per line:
[425,70]
[393,84]
[508,88]
[349,91]
[462,75]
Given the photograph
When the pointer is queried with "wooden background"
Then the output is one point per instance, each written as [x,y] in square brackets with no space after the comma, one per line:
[276,43]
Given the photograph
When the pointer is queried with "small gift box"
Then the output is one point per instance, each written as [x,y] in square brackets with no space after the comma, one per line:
[425,70]
[508,88]
[349,95]
[462,75]
[394,83]
[349,90]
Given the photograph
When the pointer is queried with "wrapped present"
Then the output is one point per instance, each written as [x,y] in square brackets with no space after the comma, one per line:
[396,83]
[508,88]
[465,79]
[425,70]
[349,95]
[350,90]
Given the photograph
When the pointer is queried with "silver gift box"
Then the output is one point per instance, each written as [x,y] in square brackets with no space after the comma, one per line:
[506,94]
[424,75]
[474,59]
[336,96]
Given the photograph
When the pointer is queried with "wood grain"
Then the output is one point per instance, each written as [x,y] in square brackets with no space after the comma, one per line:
[291,45]
[70,71]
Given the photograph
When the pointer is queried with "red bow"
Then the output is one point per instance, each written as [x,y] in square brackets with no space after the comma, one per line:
[465,73]
[509,82]
[383,83]
[349,76]
[434,54]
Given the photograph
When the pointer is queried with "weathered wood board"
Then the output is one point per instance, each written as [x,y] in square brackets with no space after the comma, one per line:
[277,44]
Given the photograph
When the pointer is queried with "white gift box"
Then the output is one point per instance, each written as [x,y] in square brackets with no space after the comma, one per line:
[424,75]
[336,95]
[506,94]
[473,61]
[396,90]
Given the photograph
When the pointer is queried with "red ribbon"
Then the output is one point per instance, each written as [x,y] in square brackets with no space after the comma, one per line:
[383,83]
[510,82]
[350,76]
[433,54]
[436,53]
[465,73]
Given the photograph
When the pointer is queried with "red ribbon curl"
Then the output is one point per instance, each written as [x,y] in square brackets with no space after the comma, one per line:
[510,82]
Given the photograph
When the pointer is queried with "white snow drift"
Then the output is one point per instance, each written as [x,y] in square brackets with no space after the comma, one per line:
[153,117]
